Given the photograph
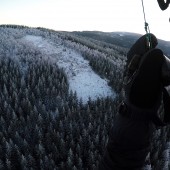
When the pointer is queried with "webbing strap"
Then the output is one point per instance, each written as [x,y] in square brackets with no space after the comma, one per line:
[146,26]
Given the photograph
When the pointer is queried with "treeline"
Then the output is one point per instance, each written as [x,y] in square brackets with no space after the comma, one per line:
[107,48]
[103,39]
[13,26]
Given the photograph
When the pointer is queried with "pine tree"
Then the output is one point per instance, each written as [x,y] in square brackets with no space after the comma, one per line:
[80,164]
[69,163]
[2,167]
[23,162]
[8,164]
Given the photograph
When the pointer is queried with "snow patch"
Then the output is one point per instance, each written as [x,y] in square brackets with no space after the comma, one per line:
[121,35]
[43,44]
[82,79]
[87,84]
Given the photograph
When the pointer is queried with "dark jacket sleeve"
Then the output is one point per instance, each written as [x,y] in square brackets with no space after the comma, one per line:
[166,71]
[128,145]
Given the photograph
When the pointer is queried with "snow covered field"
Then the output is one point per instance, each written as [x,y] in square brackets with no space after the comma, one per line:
[81,77]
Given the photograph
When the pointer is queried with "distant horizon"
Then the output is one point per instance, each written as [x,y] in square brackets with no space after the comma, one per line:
[80,30]
[82,15]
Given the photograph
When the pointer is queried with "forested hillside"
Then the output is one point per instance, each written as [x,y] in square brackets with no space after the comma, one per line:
[121,39]
[45,125]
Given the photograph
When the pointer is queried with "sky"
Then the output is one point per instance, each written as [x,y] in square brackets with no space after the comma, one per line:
[88,15]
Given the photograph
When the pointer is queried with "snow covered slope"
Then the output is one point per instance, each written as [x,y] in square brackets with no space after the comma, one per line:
[81,77]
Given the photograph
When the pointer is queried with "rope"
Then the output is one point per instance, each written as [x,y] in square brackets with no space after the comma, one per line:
[143,11]
[146,26]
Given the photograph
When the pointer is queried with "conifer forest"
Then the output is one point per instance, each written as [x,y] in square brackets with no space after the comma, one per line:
[43,124]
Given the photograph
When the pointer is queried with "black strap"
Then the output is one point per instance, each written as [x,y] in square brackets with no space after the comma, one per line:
[125,111]
[166,103]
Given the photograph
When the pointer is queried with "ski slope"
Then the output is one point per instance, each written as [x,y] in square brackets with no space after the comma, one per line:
[82,79]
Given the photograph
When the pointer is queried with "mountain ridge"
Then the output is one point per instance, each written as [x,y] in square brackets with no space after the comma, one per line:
[123,39]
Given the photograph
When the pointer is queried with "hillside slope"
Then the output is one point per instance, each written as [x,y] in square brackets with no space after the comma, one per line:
[43,123]
[122,39]
[82,79]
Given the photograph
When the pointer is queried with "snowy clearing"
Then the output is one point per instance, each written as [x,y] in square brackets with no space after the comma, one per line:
[81,77]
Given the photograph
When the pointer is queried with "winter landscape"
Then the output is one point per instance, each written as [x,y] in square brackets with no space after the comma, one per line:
[59,97]
[82,79]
